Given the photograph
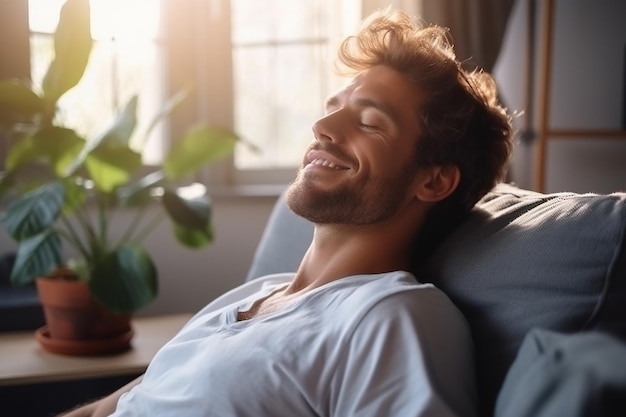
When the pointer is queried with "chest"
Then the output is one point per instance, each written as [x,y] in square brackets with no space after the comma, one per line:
[271,304]
[239,367]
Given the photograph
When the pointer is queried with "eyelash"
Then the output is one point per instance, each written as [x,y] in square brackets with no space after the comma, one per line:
[369,127]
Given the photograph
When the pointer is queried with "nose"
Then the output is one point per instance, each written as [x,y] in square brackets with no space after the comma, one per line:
[329,127]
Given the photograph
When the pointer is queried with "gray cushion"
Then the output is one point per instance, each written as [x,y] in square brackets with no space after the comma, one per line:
[525,260]
[284,241]
[573,375]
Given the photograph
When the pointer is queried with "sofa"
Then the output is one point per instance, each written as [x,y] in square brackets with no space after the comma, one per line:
[541,280]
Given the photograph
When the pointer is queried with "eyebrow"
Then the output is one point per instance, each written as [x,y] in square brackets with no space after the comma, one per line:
[367,102]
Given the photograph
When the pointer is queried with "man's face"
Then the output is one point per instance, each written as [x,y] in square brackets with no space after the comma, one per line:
[360,167]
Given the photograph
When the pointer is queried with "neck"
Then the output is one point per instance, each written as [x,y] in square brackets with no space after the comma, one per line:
[338,251]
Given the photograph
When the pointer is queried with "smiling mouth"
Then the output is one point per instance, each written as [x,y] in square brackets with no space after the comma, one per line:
[323,158]
[325,163]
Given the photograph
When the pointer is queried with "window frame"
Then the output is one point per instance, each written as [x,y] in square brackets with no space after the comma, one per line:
[14,43]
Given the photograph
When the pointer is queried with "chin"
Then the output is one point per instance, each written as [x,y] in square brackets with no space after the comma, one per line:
[319,206]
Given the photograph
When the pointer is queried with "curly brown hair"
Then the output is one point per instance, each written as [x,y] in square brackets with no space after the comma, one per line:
[463,124]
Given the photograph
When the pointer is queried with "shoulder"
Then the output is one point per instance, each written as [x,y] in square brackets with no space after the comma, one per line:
[411,332]
[397,297]
[395,293]
[397,311]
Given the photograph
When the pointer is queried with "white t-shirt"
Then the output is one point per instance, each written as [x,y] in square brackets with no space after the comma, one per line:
[365,345]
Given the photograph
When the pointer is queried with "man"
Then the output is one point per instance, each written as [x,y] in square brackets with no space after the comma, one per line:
[351,332]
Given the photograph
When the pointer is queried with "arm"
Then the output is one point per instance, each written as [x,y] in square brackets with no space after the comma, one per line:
[104,406]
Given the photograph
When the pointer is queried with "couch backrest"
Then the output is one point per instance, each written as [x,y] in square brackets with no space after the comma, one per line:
[285,239]
[526,260]
[522,260]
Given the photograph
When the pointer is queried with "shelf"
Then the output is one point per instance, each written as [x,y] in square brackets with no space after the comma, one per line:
[25,362]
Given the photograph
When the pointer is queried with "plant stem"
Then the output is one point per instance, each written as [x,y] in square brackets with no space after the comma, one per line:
[91,237]
[137,219]
[73,237]
[149,228]
[102,222]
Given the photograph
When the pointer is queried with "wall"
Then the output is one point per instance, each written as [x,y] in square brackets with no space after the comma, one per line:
[587,93]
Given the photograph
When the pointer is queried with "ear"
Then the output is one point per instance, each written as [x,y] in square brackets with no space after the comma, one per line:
[436,183]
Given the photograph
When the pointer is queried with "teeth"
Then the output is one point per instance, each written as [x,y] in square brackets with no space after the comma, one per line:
[324,163]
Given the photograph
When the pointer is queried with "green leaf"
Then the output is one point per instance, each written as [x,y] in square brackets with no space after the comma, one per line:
[37,211]
[124,280]
[112,165]
[18,103]
[193,238]
[189,206]
[124,125]
[72,46]
[200,146]
[36,257]
[55,146]
[141,192]
[75,196]
[117,136]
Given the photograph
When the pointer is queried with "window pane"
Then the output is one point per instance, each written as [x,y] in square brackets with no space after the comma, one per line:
[43,15]
[126,60]
[281,71]
[277,102]
[263,21]
[282,55]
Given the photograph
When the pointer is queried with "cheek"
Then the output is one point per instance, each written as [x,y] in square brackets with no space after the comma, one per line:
[384,161]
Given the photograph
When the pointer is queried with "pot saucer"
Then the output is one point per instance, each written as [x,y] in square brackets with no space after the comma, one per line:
[91,347]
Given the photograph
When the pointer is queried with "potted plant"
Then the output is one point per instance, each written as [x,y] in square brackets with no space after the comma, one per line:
[62,188]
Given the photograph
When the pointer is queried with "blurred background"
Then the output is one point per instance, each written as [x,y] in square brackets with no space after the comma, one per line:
[263,67]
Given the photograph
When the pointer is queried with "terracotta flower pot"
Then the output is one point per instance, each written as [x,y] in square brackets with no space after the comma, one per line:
[76,324]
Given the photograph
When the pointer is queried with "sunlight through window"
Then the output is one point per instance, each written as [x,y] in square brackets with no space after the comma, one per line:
[126,60]
[282,55]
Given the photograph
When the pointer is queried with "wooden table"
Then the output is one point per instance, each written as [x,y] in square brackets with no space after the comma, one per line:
[23,361]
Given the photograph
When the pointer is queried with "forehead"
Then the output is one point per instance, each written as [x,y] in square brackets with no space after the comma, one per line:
[385,87]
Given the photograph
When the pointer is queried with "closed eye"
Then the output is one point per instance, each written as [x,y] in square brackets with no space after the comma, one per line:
[369,127]
[371,118]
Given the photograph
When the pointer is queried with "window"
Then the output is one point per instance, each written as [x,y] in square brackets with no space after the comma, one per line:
[262,67]
[126,59]
[282,52]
